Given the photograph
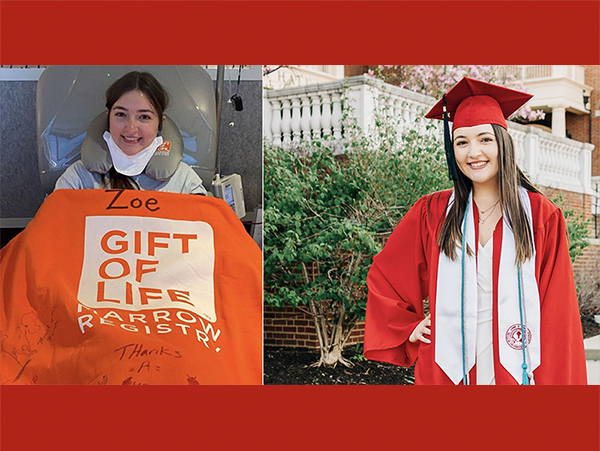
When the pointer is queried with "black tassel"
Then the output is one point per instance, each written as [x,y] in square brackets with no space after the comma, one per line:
[448,146]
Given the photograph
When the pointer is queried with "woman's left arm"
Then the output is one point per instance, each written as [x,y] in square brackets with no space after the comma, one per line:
[192,183]
[563,355]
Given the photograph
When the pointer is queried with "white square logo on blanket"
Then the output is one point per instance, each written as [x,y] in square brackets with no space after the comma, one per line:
[137,263]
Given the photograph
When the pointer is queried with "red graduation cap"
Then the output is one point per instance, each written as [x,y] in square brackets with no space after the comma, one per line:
[472,102]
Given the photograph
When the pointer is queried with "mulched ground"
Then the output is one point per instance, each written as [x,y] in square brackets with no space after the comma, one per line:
[292,366]
[589,325]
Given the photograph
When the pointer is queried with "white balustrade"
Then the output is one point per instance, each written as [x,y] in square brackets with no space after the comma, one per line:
[316,111]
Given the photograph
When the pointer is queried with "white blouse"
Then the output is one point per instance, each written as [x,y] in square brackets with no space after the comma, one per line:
[485,349]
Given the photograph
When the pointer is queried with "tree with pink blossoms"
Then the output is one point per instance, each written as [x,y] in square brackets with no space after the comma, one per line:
[434,81]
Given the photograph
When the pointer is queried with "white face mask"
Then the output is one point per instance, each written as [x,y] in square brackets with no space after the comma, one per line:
[134,164]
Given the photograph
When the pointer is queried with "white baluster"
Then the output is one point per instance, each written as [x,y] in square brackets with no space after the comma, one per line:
[574,165]
[398,114]
[555,162]
[406,113]
[306,118]
[336,116]
[377,102]
[544,158]
[315,120]
[286,122]
[276,122]
[295,124]
[413,112]
[267,118]
[326,116]
[390,106]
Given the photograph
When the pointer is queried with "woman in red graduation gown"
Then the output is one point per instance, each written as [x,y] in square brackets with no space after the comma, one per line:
[504,310]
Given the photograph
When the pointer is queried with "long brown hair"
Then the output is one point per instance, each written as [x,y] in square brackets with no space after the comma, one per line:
[158,97]
[510,178]
[115,180]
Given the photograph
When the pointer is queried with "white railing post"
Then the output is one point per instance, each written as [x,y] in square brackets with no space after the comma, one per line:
[305,121]
[276,122]
[295,120]
[398,104]
[336,115]
[413,112]
[315,120]
[530,155]
[585,167]
[267,119]
[362,99]
[286,123]
[326,116]
[389,105]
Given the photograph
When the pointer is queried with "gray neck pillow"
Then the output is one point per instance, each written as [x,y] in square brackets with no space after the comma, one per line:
[163,164]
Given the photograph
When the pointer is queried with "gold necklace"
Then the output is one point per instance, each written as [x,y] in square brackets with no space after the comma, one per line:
[483,211]
[491,210]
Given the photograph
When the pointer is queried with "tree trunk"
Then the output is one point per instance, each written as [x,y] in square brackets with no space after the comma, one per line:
[331,346]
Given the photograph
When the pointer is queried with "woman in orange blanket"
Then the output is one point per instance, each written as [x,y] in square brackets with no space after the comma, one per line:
[136,103]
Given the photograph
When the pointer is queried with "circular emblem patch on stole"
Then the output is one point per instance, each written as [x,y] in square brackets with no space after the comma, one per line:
[514,337]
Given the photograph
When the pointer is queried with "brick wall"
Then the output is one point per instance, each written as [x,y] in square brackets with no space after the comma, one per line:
[289,326]
[578,125]
[586,268]
[292,327]
[581,203]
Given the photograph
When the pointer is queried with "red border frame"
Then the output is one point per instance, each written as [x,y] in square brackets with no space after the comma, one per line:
[415,32]
[296,417]
[299,417]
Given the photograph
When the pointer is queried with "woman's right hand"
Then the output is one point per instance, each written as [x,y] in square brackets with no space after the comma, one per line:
[419,333]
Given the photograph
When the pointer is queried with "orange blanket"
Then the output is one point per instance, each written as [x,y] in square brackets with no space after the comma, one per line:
[131,287]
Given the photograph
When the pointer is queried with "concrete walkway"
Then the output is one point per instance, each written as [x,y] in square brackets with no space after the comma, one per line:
[592,355]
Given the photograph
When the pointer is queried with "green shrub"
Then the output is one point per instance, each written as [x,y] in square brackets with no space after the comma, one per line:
[326,217]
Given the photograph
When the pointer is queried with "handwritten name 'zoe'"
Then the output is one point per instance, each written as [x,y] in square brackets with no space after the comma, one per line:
[150,203]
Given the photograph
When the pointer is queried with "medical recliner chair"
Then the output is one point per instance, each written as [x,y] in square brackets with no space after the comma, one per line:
[69,98]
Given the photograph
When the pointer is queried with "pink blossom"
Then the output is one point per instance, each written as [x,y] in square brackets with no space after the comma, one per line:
[436,80]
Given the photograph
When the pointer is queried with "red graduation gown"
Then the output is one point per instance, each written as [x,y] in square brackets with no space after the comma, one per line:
[404,273]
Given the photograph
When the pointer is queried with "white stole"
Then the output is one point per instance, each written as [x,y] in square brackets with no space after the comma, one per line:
[448,333]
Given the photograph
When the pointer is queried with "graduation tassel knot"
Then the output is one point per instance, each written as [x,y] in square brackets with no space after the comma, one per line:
[448,145]
[525,376]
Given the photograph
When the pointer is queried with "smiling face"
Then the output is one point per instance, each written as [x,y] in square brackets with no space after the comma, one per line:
[133,122]
[476,152]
